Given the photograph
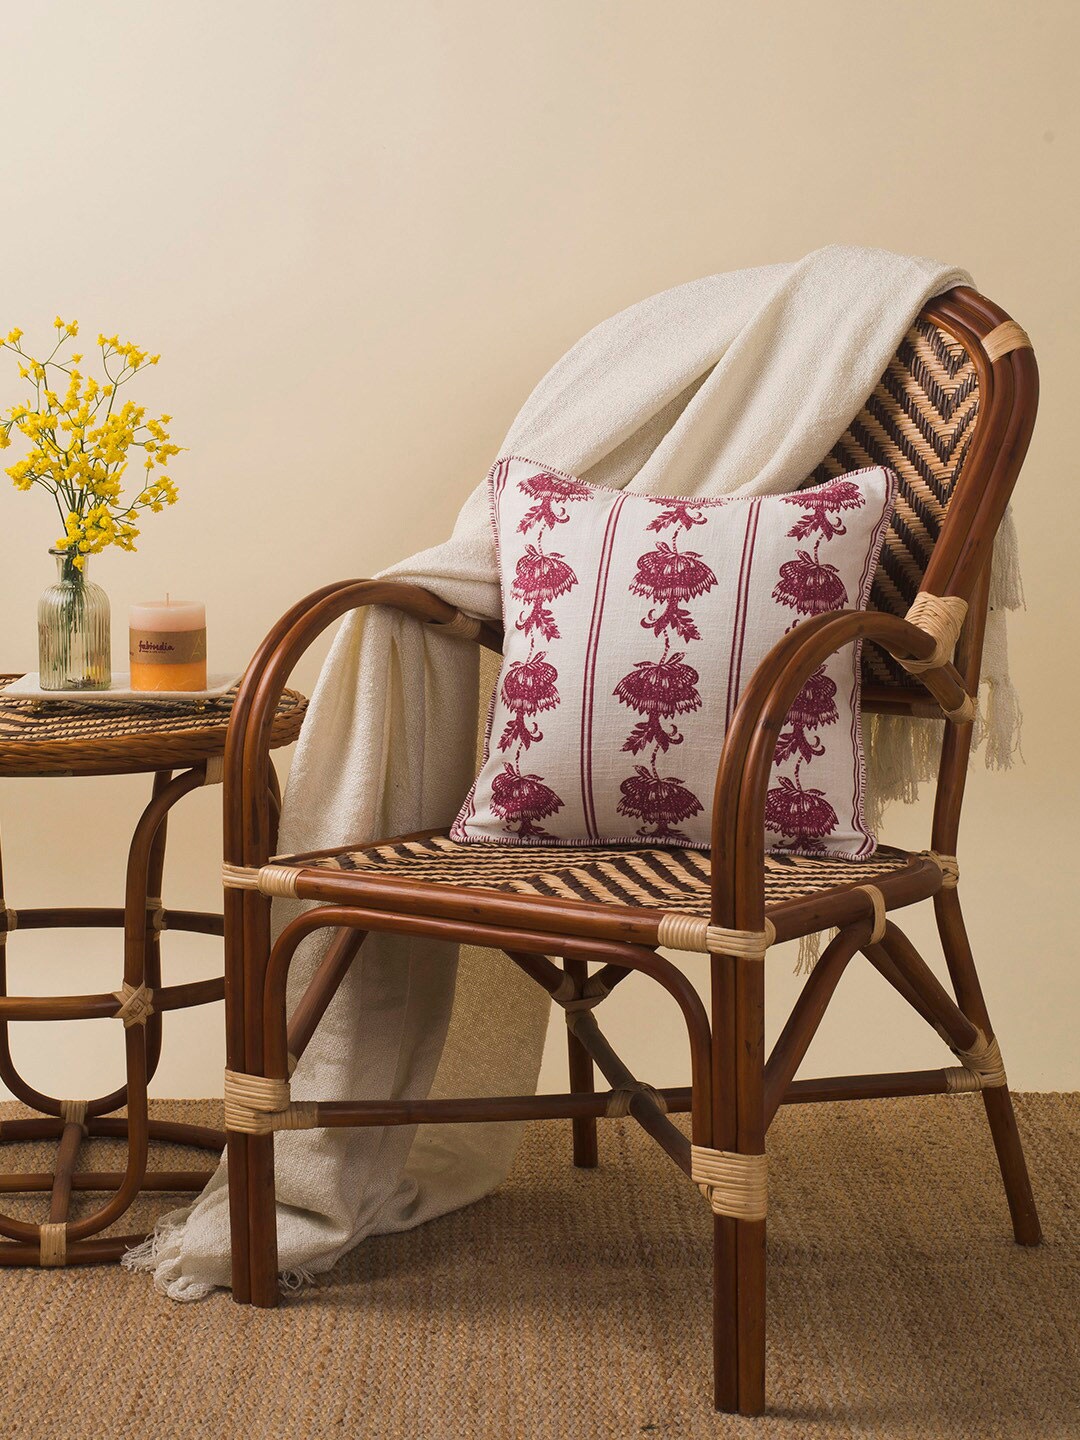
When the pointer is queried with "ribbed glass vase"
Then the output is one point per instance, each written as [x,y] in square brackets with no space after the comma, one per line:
[74,648]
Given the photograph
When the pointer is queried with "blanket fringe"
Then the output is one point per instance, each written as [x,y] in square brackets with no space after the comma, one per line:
[810,947]
[159,1255]
[1006,581]
[290,1282]
[809,953]
[999,726]
[903,753]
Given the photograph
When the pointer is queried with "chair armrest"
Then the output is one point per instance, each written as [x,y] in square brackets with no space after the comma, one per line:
[738,822]
[247,746]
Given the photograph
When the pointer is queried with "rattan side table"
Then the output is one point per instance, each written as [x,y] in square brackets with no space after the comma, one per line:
[66,738]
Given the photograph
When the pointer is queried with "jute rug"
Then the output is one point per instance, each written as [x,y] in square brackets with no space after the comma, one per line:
[576,1304]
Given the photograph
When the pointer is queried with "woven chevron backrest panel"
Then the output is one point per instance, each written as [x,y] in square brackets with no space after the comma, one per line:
[919,421]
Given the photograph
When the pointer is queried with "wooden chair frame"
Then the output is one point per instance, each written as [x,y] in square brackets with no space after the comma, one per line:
[736,1090]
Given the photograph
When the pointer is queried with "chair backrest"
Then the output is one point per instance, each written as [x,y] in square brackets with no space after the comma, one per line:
[935,404]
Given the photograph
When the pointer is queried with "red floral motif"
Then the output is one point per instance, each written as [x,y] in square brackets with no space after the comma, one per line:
[552,492]
[658,688]
[539,578]
[837,496]
[659,801]
[668,576]
[810,585]
[803,817]
[815,706]
[527,688]
[521,800]
[682,513]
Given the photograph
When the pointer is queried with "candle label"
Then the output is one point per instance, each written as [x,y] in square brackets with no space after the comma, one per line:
[166,647]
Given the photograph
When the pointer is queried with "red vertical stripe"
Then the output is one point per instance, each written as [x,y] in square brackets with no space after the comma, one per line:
[588,802]
[738,628]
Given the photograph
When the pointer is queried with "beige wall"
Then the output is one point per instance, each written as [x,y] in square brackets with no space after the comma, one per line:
[359,232]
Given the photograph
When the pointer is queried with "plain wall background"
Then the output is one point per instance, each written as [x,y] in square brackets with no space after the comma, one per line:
[359,233]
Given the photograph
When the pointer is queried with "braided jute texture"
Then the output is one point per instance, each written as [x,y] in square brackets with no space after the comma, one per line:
[574,1305]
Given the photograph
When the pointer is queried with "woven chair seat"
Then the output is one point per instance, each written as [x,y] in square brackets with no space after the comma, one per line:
[674,880]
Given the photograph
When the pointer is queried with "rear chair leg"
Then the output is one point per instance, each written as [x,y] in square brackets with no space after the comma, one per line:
[582,1081]
[996,1099]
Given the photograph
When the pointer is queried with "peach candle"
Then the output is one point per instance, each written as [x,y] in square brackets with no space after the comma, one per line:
[167,645]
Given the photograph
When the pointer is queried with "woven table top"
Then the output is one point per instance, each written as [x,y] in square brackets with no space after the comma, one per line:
[64,737]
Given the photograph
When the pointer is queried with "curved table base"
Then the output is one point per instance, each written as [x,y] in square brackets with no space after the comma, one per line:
[99,1249]
[56,1239]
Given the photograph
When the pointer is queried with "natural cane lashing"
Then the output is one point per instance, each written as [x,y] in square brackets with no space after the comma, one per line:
[167,645]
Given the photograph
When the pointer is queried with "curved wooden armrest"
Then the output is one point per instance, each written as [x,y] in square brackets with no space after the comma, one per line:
[247,746]
[738,823]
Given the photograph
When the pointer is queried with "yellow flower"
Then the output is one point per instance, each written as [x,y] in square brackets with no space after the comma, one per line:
[14,336]
[80,455]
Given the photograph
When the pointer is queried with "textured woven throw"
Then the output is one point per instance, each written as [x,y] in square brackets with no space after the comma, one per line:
[734,384]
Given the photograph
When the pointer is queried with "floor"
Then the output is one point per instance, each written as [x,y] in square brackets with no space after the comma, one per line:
[576,1304]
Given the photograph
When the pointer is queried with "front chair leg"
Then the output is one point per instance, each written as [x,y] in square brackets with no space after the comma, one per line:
[262,1222]
[996,1098]
[737,1161]
[236,1060]
[252,1217]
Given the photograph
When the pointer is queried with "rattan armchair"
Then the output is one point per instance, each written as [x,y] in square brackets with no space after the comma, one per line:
[952,416]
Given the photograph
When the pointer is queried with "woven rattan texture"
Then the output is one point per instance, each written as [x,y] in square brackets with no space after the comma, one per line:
[919,422]
[650,877]
[59,736]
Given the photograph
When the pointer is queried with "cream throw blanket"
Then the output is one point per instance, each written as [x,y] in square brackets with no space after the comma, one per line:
[734,384]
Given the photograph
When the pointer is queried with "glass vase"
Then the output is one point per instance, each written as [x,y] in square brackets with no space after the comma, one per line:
[74,649]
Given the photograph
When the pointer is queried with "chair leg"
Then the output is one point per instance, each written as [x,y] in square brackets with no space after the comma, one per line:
[738,1100]
[261,1199]
[252,1211]
[262,1222]
[235,1059]
[236,1154]
[582,1081]
[997,1100]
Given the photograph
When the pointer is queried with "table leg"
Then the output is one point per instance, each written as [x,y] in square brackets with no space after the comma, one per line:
[155,870]
[62,1241]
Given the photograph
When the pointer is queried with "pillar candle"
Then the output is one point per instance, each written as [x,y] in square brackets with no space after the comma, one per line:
[167,645]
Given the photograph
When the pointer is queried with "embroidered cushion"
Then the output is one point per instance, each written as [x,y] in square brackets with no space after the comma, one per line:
[632,625]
